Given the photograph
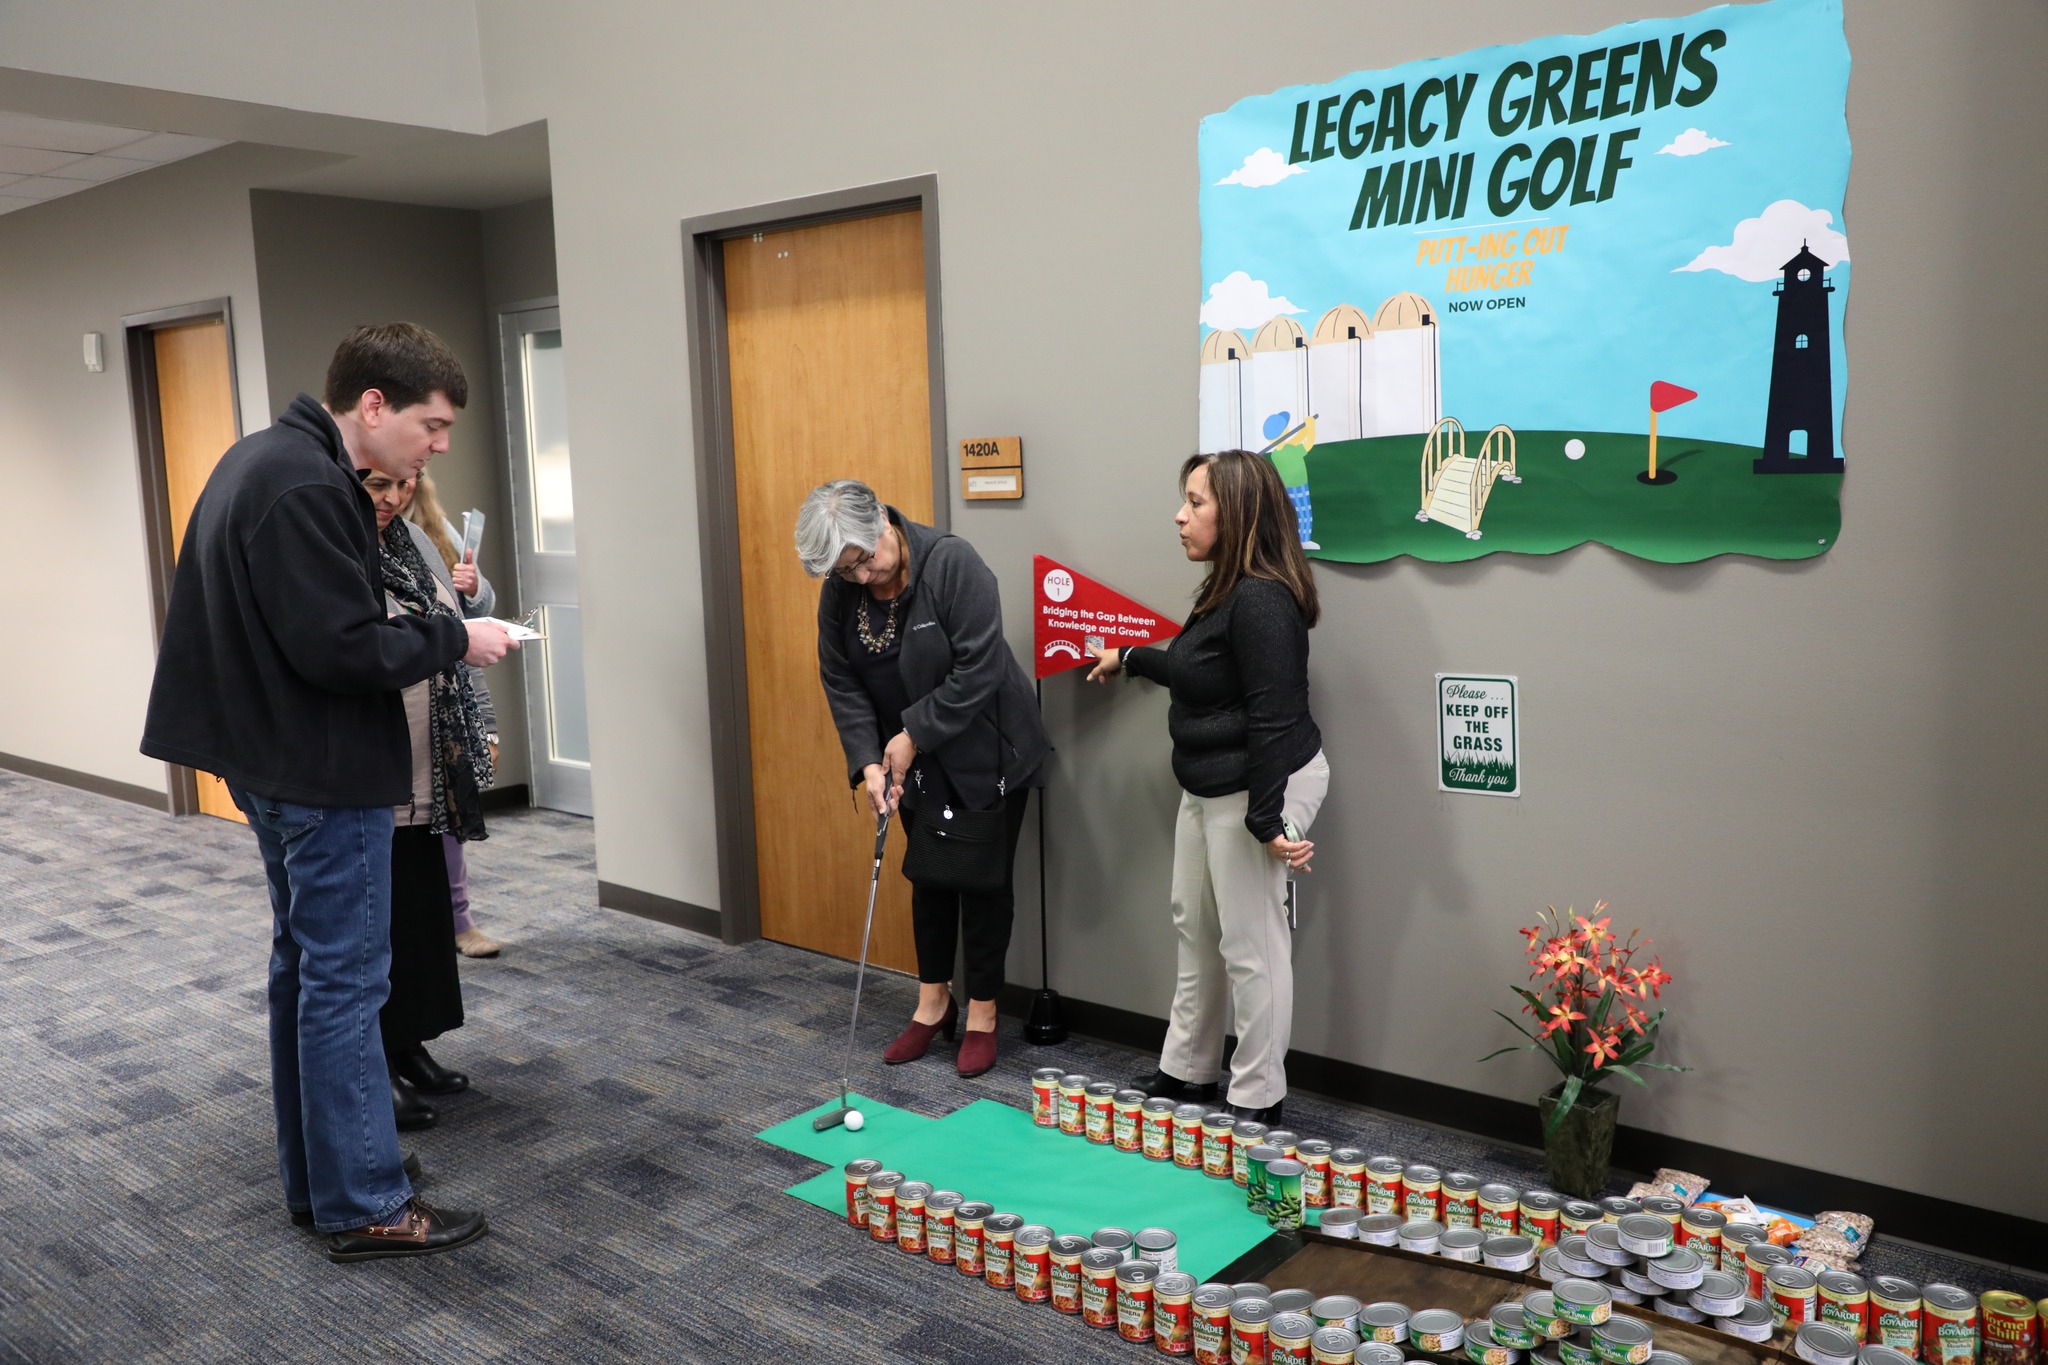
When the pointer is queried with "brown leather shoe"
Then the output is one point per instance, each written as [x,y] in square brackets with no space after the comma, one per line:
[423,1231]
[916,1038]
[977,1052]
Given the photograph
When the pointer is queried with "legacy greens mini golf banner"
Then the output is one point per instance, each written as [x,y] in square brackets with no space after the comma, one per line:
[1584,288]
[1481,734]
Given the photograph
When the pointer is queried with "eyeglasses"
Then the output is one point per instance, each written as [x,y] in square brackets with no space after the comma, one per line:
[846,573]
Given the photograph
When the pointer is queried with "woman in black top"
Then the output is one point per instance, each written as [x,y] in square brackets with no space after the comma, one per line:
[1250,764]
[933,713]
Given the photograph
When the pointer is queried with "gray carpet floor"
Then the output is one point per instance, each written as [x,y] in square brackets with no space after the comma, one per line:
[621,1068]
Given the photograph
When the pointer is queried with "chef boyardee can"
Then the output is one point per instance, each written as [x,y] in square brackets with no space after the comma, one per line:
[1246,1135]
[999,1249]
[1031,1259]
[1074,1105]
[2008,1328]
[882,1186]
[1333,1346]
[1616,1207]
[968,1226]
[1663,1206]
[1134,1282]
[1159,1246]
[1757,1259]
[1499,1209]
[1284,1140]
[1045,1097]
[1216,1144]
[1583,1303]
[1622,1341]
[1287,1338]
[1211,1324]
[857,1175]
[1314,1156]
[940,1209]
[910,1232]
[1347,1178]
[1422,1193]
[1155,1125]
[1437,1330]
[1793,1296]
[1538,1213]
[1948,1326]
[1173,1313]
[1577,1216]
[1099,1120]
[1067,1252]
[1736,1239]
[1460,1200]
[1844,1303]
[1098,1286]
[1700,1230]
[1255,1177]
[1250,1322]
[1187,1137]
[1126,1132]
[1383,1185]
[1283,1194]
[1895,1314]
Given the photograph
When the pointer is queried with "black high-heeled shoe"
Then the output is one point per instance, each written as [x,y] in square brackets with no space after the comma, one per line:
[427,1076]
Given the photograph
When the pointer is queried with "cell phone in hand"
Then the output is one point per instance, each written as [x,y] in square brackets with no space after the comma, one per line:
[1293,833]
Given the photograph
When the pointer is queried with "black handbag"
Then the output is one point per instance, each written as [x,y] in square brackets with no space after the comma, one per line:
[962,851]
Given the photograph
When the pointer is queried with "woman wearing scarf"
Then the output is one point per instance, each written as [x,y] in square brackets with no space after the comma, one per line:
[451,765]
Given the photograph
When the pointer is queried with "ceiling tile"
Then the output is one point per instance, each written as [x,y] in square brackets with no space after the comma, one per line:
[31,160]
[95,169]
[167,147]
[40,187]
[58,135]
[9,204]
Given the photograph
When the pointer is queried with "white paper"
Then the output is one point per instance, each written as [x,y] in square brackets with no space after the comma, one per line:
[515,630]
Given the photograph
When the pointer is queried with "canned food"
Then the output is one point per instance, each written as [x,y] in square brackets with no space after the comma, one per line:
[1378,1353]
[1383,1185]
[1752,1322]
[1098,1123]
[1067,1252]
[1134,1284]
[1216,1143]
[1340,1223]
[1616,1207]
[857,1175]
[1509,1253]
[939,1212]
[1844,1301]
[1283,1195]
[1249,1289]
[1637,1282]
[1074,1105]
[1622,1341]
[1678,1268]
[1736,1239]
[1211,1324]
[1883,1355]
[1045,1097]
[1098,1286]
[1284,1140]
[1290,1300]
[1173,1313]
[1155,1129]
[1792,1295]
[1757,1259]
[1668,1358]
[1948,1326]
[1255,1176]
[1538,1214]
[1510,1328]
[910,1233]
[1385,1321]
[1700,1229]
[1663,1206]
[1672,1306]
[1719,1293]
[1461,1200]
[1436,1329]
[1643,1234]
[882,1187]
[968,1226]
[1250,1322]
[1245,1136]
[1462,1244]
[1603,1244]
[1482,1347]
[1333,1346]
[1422,1193]
[2007,1327]
[1539,1311]
[1160,1247]
[1336,1310]
[1577,1349]
[1895,1314]
[1499,1209]
[1577,1215]
[1821,1344]
[1422,1236]
[999,1249]
[1187,1137]
[1031,1259]
[1126,1129]
[1575,1255]
[1314,1156]
[1381,1229]
[1347,1178]
[1583,1303]
[1287,1338]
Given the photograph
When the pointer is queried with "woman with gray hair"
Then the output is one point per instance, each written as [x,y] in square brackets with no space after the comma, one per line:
[935,715]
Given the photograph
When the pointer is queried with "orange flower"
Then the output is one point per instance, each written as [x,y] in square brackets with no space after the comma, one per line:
[1561,1017]
[1603,1048]
[1593,932]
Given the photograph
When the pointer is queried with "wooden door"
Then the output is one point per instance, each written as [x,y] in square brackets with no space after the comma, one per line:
[196,414]
[825,329]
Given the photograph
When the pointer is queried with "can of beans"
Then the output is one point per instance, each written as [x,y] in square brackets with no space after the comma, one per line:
[940,1209]
[2008,1328]
[1462,1244]
[1383,1185]
[858,1174]
[1844,1302]
[1098,1119]
[1460,1200]
[1074,1105]
[1283,1195]
[1616,1207]
[1437,1330]
[1160,1247]
[1243,1137]
[1126,1131]
[1333,1346]
[999,1249]
[1758,1258]
[1210,1324]
[1251,1320]
[1577,1216]
[1794,1296]
[1895,1314]
[1340,1223]
[1187,1136]
[1948,1326]
[1347,1178]
[1287,1338]
[1336,1310]
[1538,1213]
[1067,1252]
[1216,1143]
[882,1187]
[1115,1239]
[1098,1286]
[910,1233]
[1422,1193]
[1622,1341]
[1155,1129]
[1173,1313]
[1500,1209]
[1700,1230]
[1385,1321]
[1314,1156]
[1255,1177]
[1031,1263]
[1134,1283]
[1381,1229]
[1663,1206]
[1045,1097]
[968,1227]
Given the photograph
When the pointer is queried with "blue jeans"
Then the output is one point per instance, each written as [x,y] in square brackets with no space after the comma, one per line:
[330,970]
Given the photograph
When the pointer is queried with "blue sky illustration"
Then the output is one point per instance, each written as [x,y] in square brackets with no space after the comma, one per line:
[1613,311]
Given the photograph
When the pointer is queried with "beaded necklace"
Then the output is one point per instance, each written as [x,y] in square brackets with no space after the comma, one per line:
[876,643]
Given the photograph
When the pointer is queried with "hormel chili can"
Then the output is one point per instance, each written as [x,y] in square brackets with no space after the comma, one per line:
[1844,1302]
[1126,1132]
[1098,1286]
[999,1249]
[910,1233]
[1347,1178]
[1246,1135]
[1134,1287]
[1074,1105]
[1099,1119]
[2008,1328]
[940,1209]
[1422,1193]
[1794,1296]
[1538,1213]
[1045,1097]
[1187,1136]
[882,1187]
[857,1175]
[1216,1143]
[1314,1156]
[1211,1324]
[1948,1326]
[1031,1259]
[1383,1185]
[1500,1208]
[1173,1313]
[1155,1129]
[968,1241]
[1460,1200]
[1700,1230]
[1895,1314]
[1067,1252]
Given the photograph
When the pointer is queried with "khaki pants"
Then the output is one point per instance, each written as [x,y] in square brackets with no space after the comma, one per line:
[1229,908]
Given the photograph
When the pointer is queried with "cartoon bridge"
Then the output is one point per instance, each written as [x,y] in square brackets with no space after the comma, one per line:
[1455,486]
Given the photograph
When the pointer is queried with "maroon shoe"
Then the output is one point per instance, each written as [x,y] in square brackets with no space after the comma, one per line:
[977,1052]
[916,1038]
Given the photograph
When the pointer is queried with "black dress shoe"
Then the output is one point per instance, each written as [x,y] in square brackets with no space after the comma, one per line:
[1164,1085]
[428,1076]
[410,1111]
[304,1218]
[1269,1116]
[423,1231]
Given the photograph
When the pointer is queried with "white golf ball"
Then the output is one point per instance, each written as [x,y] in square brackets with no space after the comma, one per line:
[854,1120]
[1574,448]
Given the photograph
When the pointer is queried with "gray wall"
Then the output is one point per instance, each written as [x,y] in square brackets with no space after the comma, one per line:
[1782,771]
[519,254]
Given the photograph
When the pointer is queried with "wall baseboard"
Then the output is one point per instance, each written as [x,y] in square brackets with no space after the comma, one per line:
[517,796]
[102,786]
[1963,1228]
[677,914]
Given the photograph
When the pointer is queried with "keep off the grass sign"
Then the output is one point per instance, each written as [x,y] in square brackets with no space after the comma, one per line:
[1477,722]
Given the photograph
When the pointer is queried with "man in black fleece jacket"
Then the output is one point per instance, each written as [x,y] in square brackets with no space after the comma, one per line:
[280,672]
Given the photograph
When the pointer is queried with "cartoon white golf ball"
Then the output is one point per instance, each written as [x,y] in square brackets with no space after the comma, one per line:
[1574,449]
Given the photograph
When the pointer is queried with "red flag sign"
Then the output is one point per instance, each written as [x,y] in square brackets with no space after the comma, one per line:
[1664,397]
[1071,613]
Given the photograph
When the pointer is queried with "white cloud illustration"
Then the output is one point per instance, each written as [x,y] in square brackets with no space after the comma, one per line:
[1691,142]
[1261,168]
[1240,301]
[1763,244]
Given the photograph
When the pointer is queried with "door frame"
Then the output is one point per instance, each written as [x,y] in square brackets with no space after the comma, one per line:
[732,758]
[181,783]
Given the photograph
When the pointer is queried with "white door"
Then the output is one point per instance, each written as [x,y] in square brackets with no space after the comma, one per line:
[544,524]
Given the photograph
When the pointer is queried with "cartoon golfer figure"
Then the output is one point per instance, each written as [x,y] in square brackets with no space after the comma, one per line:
[1288,449]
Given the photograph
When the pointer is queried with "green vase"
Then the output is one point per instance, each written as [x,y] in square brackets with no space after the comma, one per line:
[1580,1147]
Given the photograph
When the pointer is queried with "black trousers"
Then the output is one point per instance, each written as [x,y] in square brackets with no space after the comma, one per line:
[938,918]
[426,989]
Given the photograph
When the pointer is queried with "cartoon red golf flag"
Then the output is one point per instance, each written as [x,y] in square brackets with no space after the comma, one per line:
[1071,613]
[1663,398]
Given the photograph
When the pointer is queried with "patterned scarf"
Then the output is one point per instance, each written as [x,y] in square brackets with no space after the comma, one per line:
[460,759]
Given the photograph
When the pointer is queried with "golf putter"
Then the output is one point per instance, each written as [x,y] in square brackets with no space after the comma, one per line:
[834,1118]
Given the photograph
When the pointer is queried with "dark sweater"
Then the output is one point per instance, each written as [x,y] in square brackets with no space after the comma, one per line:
[1239,719]
[279,670]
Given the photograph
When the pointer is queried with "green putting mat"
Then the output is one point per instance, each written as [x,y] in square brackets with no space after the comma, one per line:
[991,1151]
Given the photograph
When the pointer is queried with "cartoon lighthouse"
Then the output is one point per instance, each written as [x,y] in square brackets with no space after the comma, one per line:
[1799,430]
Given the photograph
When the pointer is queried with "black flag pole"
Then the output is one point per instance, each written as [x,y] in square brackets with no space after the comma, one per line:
[1047,1023]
